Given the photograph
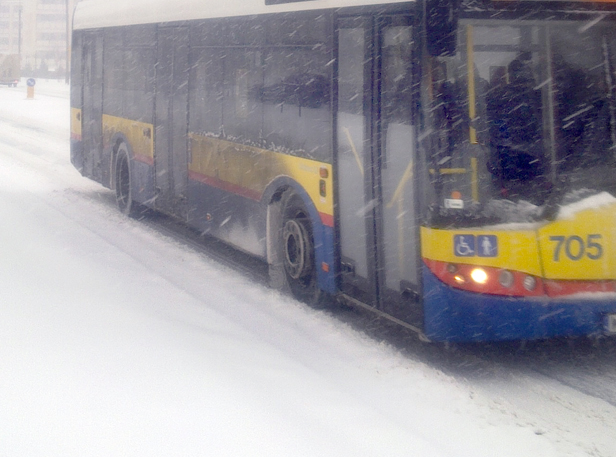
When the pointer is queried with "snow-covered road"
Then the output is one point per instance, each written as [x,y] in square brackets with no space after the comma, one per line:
[116,340]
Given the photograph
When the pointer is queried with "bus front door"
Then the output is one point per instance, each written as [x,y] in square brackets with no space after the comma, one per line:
[171,132]
[376,150]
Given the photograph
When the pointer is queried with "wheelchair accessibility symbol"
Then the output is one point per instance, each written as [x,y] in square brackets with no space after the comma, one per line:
[471,245]
[464,245]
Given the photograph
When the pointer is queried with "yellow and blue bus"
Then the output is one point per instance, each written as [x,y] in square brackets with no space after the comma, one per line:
[448,164]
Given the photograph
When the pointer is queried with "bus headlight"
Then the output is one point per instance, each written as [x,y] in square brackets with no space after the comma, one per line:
[479,275]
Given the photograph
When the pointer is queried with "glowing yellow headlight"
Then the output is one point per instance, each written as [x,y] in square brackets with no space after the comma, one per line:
[479,275]
[458,278]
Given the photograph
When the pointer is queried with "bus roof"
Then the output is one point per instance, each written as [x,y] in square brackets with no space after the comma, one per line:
[91,14]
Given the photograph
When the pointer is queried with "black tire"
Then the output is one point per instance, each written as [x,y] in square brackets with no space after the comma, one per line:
[123,184]
[297,250]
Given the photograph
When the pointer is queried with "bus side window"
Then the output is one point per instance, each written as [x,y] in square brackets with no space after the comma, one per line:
[294,94]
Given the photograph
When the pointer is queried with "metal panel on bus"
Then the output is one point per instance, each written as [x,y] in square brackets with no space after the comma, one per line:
[92,105]
[171,126]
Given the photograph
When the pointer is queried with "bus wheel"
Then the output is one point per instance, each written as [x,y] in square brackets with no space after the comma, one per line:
[123,185]
[297,250]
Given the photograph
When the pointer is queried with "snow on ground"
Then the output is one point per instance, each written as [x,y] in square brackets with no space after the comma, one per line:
[117,341]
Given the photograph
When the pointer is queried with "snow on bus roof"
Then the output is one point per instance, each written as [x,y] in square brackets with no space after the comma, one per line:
[594,202]
[107,13]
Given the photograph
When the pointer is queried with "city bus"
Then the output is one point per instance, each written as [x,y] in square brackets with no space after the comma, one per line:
[446,164]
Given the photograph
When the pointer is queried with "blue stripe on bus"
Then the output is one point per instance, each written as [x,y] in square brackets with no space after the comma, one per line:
[456,315]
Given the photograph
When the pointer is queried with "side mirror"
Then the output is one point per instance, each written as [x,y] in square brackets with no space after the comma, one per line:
[441,19]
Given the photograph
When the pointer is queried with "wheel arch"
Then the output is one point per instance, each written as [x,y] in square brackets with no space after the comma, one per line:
[322,235]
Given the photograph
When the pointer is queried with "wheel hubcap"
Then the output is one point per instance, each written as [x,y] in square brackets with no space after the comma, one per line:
[294,235]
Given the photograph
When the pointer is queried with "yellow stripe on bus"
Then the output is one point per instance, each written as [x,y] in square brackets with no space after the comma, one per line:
[140,135]
[251,169]
[517,250]
[75,123]
[580,245]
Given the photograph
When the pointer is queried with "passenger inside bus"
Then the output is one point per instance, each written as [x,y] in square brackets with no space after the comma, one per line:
[515,125]
[537,126]
[447,110]
[583,116]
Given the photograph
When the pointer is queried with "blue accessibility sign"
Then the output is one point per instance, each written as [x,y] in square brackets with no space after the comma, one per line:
[471,245]
[487,246]
[464,245]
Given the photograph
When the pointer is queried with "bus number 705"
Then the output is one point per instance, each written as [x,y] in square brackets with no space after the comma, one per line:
[575,248]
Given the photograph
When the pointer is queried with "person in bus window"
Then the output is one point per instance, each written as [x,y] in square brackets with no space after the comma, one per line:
[583,116]
[514,112]
[447,112]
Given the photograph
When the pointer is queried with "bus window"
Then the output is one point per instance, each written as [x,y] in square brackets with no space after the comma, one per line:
[295,92]
[295,102]
[206,92]
[275,97]
[582,92]
[455,151]
[515,127]
[534,129]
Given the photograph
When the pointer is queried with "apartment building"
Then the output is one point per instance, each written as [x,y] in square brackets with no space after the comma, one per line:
[36,29]
[9,26]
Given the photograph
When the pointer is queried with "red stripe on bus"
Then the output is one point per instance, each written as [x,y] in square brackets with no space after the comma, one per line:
[556,288]
[327,219]
[144,159]
[225,185]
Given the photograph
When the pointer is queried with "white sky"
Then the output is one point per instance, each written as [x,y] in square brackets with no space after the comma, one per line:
[117,341]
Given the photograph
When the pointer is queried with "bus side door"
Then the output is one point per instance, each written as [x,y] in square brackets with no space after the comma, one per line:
[376,159]
[92,116]
[171,121]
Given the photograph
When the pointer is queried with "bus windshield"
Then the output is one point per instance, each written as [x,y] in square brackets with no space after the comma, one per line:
[522,120]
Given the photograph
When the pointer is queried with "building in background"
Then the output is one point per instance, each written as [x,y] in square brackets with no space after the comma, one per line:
[10,12]
[38,31]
